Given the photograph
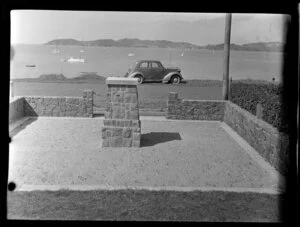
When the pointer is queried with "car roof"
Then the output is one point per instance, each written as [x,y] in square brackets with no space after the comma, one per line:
[147,60]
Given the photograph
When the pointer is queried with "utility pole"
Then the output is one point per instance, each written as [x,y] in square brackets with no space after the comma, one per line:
[226,57]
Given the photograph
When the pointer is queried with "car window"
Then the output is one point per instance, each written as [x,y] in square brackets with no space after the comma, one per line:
[131,68]
[144,65]
[155,65]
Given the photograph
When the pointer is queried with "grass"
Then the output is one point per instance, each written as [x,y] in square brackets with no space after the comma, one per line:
[143,205]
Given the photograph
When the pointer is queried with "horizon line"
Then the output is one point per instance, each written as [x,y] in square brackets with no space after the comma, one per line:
[143,40]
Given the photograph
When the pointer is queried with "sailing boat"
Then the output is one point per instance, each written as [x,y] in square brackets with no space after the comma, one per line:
[56,50]
[76,60]
[81,50]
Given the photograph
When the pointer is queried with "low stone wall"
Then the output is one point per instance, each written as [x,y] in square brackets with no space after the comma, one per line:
[264,138]
[194,109]
[60,106]
[271,144]
[16,109]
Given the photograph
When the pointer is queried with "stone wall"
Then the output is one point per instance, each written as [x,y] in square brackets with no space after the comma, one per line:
[60,106]
[122,127]
[194,109]
[16,109]
[271,144]
[264,138]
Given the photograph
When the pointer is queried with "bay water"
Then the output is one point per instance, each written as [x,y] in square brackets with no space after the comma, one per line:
[115,61]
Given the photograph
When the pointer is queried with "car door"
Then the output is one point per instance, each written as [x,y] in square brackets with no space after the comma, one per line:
[144,68]
[157,71]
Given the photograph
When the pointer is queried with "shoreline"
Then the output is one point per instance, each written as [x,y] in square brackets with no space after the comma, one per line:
[189,82]
[179,49]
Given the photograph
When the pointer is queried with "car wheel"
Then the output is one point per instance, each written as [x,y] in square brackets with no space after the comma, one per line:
[175,79]
[140,79]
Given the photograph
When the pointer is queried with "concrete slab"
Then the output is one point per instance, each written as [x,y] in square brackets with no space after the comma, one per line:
[189,155]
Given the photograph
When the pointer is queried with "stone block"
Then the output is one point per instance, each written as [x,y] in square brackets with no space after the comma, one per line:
[137,130]
[61,114]
[131,90]
[107,122]
[128,114]
[109,133]
[115,89]
[134,107]
[130,98]
[116,141]
[117,131]
[105,143]
[127,123]
[136,143]
[127,132]
[117,81]
[108,107]
[173,96]
[87,104]
[116,112]
[108,115]
[104,136]
[88,94]
[108,96]
[119,123]
[127,106]
[136,123]
[118,97]
[127,142]
[136,136]
[134,115]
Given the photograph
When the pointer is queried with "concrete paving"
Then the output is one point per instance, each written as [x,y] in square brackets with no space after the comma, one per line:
[56,153]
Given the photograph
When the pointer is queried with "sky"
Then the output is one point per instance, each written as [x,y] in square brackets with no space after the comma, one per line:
[41,26]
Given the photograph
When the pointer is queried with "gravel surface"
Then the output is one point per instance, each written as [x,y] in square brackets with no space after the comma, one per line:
[67,151]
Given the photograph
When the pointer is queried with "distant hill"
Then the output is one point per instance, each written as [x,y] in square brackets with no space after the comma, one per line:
[52,77]
[84,77]
[260,46]
[270,46]
[125,43]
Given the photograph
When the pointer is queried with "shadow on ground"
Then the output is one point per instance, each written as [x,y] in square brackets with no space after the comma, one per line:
[22,126]
[153,138]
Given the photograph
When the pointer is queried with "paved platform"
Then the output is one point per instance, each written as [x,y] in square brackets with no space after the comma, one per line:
[50,153]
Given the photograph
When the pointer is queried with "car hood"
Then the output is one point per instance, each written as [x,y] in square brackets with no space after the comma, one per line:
[173,69]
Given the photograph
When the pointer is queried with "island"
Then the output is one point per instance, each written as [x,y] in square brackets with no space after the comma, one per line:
[84,77]
[259,46]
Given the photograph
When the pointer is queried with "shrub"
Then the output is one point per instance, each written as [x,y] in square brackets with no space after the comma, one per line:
[248,95]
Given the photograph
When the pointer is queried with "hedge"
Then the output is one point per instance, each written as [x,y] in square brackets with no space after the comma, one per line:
[248,95]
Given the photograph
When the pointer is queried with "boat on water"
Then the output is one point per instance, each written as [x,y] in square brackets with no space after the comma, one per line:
[75,60]
[182,54]
[55,51]
[30,65]
[130,54]
[81,51]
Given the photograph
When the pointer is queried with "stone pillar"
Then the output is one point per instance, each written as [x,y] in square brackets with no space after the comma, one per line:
[122,126]
[88,96]
[11,90]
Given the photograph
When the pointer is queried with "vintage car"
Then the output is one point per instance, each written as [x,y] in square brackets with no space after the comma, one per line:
[150,70]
